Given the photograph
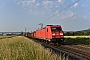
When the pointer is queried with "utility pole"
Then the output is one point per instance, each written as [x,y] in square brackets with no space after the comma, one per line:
[41,25]
[25,31]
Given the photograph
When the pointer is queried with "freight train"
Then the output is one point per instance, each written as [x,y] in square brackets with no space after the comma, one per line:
[50,33]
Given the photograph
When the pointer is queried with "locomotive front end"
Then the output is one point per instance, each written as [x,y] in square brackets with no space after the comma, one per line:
[57,34]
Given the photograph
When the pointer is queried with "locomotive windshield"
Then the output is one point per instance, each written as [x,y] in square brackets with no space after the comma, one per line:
[56,29]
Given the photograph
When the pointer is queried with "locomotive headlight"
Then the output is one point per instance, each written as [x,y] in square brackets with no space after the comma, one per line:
[61,33]
[53,34]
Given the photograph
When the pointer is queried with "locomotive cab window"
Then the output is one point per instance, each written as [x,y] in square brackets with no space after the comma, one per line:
[55,29]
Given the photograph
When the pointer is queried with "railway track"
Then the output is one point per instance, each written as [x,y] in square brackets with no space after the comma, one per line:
[83,47]
[76,51]
[82,52]
[79,50]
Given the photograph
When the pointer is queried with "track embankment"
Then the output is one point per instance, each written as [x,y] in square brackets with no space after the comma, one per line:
[73,52]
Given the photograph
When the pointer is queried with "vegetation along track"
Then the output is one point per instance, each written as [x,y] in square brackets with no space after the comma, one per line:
[81,51]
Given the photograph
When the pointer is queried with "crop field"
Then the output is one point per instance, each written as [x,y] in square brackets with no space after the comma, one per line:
[76,36]
[22,48]
[2,37]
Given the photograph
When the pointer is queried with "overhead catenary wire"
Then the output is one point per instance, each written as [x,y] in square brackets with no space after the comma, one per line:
[77,14]
[61,10]
[64,8]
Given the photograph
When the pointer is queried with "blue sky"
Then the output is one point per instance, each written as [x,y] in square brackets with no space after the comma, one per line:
[15,15]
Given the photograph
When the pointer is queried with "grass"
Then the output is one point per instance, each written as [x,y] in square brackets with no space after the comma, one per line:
[79,40]
[21,48]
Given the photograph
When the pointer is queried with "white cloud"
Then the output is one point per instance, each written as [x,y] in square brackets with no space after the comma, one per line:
[47,4]
[40,5]
[30,10]
[37,4]
[75,5]
[43,13]
[33,0]
[68,14]
[85,17]
[59,1]
[85,5]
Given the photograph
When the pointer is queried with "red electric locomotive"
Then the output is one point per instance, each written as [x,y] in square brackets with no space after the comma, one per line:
[51,33]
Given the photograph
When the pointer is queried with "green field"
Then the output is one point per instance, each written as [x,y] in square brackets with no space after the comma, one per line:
[2,37]
[78,40]
[22,48]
